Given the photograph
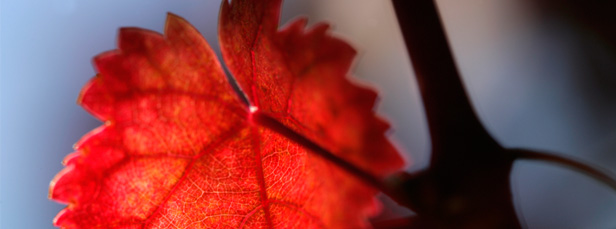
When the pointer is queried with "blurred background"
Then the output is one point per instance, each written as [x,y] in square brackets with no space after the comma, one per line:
[541,75]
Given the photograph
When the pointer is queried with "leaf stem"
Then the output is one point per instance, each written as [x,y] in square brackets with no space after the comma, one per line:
[273,124]
[601,176]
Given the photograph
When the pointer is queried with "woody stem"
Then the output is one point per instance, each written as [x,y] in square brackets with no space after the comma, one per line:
[601,176]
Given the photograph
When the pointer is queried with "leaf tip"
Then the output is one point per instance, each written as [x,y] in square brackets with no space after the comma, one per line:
[82,94]
[173,22]
[54,192]
[59,219]
[171,17]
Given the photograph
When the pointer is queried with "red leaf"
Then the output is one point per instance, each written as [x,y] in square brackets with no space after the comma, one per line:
[179,149]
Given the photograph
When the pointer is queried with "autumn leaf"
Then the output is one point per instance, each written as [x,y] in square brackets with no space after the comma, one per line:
[180,149]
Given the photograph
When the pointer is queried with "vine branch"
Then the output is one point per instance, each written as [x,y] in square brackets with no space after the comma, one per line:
[598,174]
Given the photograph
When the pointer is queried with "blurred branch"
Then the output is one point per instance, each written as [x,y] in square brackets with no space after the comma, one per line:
[451,119]
[595,173]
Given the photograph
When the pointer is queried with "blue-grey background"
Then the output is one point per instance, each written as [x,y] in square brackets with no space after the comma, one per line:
[535,80]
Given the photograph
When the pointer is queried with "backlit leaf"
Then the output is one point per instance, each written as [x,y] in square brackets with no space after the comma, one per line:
[179,149]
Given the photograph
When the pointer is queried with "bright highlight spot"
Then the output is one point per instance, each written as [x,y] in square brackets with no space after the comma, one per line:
[253,109]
